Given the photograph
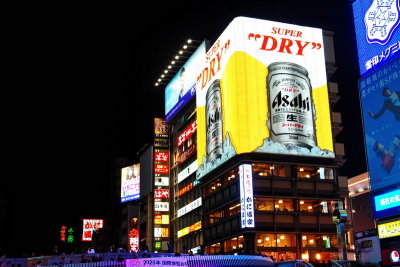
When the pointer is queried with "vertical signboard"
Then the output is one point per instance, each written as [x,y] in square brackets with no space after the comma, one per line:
[133,234]
[246,196]
[263,89]
[161,159]
[377,31]
[380,102]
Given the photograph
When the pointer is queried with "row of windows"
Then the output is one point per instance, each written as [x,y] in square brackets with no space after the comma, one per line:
[276,240]
[303,205]
[290,240]
[271,204]
[271,170]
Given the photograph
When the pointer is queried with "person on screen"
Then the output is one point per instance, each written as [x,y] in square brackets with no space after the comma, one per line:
[391,103]
[182,83]
[387,156]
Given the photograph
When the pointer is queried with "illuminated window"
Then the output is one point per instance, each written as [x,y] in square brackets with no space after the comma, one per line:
[270,170]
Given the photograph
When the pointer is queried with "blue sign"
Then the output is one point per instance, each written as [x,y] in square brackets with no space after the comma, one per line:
[380,105]
[377,31]
[386,204]
[387,200]
[182,86]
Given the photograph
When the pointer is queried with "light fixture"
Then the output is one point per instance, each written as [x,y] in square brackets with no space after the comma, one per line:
[159,80]
[318,256]
[280,201]
[185,46]
[165,71]
[309,207]
[162,76]
[301,169]
[176,57]
[301,202]
[259,241]
[282,237]
[267,239]
[311,241]
[304,237]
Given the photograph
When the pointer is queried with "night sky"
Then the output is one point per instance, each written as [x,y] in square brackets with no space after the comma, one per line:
[81,93]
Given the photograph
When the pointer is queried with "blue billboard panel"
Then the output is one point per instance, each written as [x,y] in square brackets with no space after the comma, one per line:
[386,204]
[182,86]
[377,31]
[380,104]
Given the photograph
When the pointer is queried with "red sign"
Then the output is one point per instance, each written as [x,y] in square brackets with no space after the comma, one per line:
[63,232]
[161,168]
[187,133]
[161,156]
[90,225]
[161,193]
[187,154]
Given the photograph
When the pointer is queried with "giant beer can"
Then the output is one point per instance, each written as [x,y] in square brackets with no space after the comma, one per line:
[291,112]
[214,121]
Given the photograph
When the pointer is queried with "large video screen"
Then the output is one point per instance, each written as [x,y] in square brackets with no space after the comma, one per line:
[130,183]
[380,102]
[182,86]
[377,31]
[263,89]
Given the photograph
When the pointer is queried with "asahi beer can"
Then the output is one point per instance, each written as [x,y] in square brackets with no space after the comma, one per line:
[291,112]
[214,121]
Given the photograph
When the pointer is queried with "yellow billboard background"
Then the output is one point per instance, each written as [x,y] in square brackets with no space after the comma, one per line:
[245,107]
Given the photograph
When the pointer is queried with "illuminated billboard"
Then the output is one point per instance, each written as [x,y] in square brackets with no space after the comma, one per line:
[130,183]
[380,106]
[390,229]
[160,127]
[263,89]
[90,225]
[376,24]
[386,204]
[182,86]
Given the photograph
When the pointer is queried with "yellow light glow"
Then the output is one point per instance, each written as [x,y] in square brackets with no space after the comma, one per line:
[304,256]
[259,241]
[311,241]
[301,169]
[282,237]
[280,201]
[318,256]
[304,237]
[301,202]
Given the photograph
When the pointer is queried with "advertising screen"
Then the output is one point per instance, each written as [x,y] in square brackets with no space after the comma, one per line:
[182,86]
[377,31]
[263,89]
[130,183]
[386,204]
[380,102]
